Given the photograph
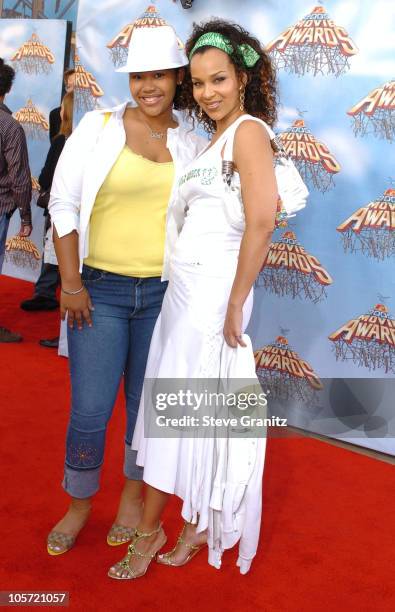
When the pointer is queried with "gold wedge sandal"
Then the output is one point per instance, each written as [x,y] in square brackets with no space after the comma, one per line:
[126,534]
[118,570]
[59,543]
[166,558]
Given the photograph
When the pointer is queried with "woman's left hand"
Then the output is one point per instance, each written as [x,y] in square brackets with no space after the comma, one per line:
[233,326]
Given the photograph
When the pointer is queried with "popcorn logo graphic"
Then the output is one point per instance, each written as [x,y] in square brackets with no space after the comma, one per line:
[368,340]
[33,122]
[86,89]
[315,44]
[370,229]
[313,159]
[290,270]
[22,253]
[33,57]
[287,376]
[375,114]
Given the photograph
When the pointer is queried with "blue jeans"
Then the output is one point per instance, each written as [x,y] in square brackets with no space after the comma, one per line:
[48,281]
[4,223]
[126,310]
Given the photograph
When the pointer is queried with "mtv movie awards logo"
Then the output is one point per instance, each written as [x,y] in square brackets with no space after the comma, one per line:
[86,88]
[286,375]
[375,114]
[22,253]
[370,229]
[313,159]
[314,44]
[33,57]
[119,45]
[33,122]
[290,270]
[368,341]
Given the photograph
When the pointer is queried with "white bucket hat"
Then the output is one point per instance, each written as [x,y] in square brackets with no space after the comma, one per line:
[153,45]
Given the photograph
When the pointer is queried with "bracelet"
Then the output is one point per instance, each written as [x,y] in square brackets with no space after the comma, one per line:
[73,292]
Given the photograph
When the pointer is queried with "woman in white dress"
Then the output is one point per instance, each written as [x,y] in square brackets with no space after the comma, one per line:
[199,334]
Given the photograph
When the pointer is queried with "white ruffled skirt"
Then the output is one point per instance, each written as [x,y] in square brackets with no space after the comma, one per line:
[218,479]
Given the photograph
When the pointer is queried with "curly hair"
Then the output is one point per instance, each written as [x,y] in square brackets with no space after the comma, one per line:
[261,96]
[7,75]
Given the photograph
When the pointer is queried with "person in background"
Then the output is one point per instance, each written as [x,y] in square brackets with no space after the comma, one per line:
[47,173]
[54,116]
[44,297]
[15,179]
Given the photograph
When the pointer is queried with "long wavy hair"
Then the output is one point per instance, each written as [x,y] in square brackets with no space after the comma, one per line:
[66,126]
[261,97]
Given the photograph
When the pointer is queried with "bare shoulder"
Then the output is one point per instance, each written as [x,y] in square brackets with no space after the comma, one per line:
[251,141]
[250,131]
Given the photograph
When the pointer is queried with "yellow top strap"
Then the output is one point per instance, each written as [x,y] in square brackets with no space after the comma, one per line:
[106,118]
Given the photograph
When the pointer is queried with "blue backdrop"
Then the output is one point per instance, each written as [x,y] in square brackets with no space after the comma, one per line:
[329,58]
[37,87]
[334,262]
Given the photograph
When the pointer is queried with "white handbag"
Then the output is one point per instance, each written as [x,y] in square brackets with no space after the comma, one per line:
[293,192]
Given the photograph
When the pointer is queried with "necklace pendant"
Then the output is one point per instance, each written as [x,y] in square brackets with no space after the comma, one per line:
[157,135]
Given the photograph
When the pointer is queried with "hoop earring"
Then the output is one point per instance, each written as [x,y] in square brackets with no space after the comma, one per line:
[242,97]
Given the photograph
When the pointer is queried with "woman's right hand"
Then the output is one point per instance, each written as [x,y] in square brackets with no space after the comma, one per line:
[78,307]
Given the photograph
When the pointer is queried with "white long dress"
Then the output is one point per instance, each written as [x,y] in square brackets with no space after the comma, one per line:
[219,480]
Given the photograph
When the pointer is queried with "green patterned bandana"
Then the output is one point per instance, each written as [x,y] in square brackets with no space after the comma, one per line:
[214,39]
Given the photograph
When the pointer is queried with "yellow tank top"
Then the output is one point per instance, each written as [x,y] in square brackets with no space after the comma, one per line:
[127,224]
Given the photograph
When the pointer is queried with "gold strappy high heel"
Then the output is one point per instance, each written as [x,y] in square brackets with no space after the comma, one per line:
[166,558]
[123,566]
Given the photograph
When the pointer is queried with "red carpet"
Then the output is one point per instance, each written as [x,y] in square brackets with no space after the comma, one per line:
[327,535]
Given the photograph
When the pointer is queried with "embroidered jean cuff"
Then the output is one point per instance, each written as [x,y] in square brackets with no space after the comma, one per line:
[81,483]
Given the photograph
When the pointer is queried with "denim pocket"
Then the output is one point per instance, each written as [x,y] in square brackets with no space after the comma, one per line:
[91,275]
[153,293]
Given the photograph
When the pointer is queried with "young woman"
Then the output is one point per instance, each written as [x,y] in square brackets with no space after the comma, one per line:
[112,212]
[49,271]
[66,127]
[208,303]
